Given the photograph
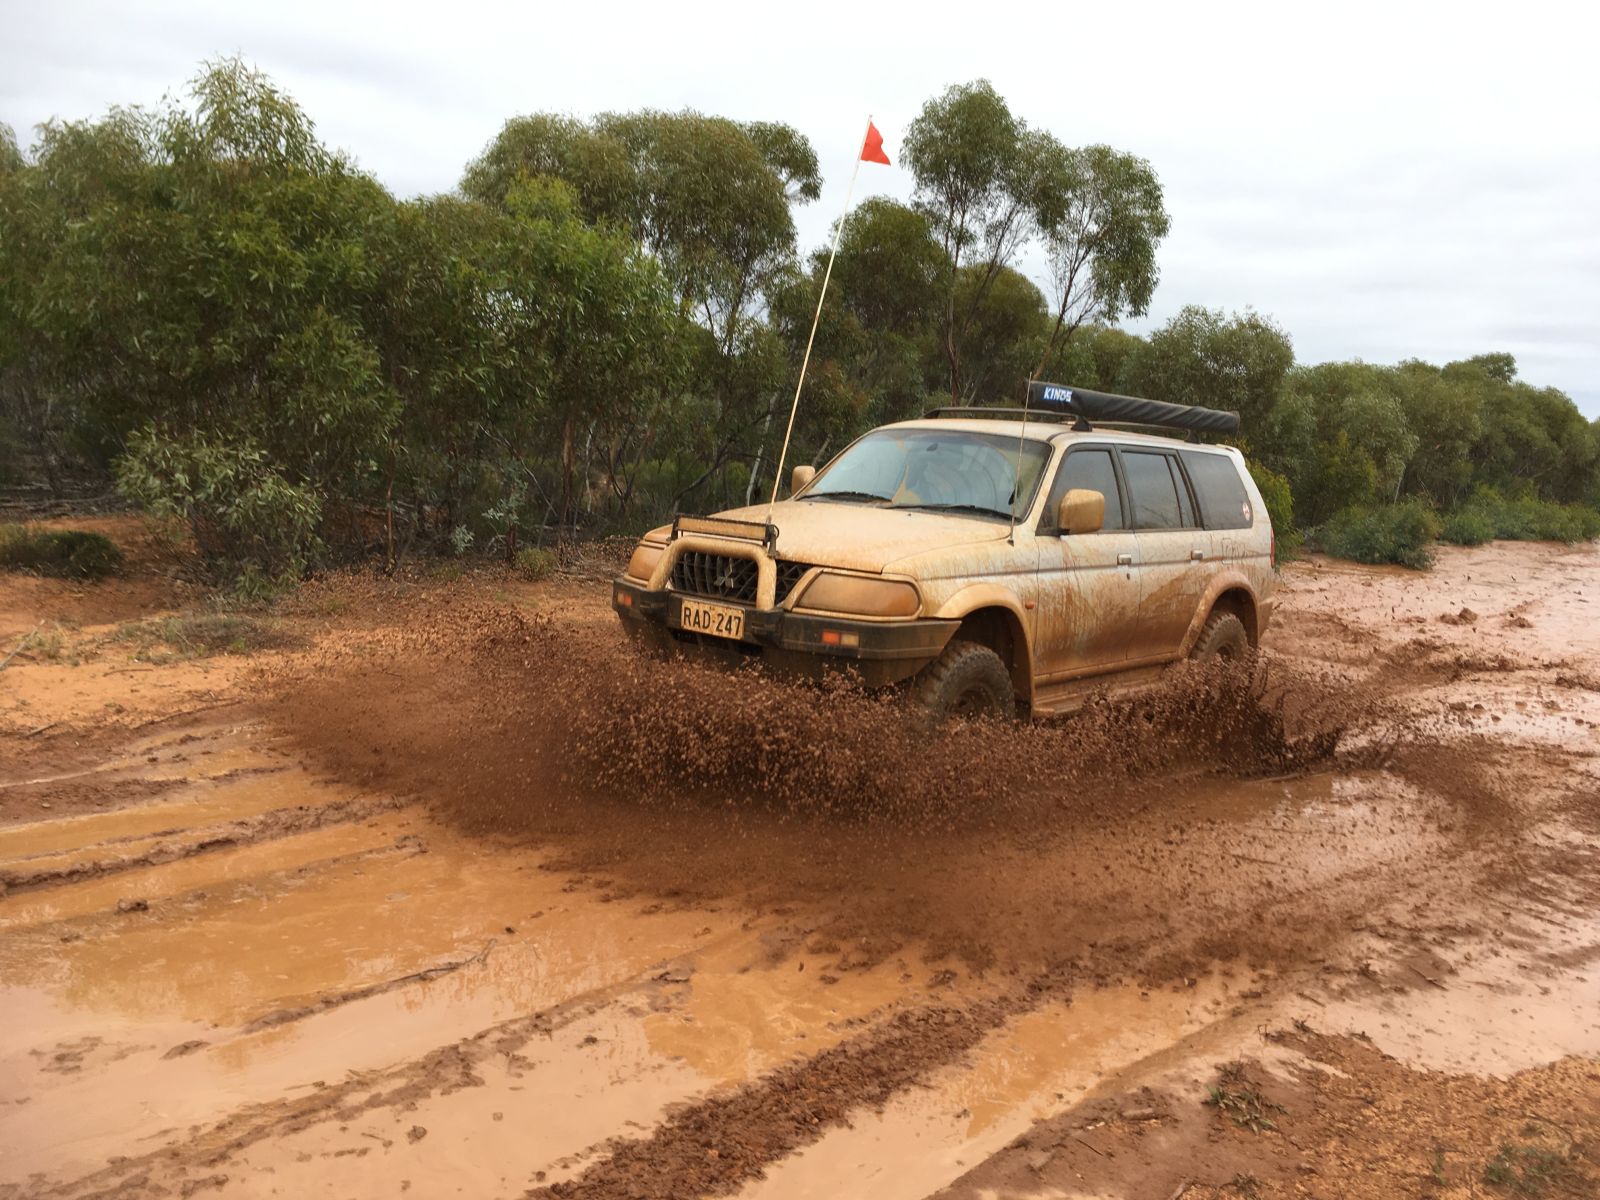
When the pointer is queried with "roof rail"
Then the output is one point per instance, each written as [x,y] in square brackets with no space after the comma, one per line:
[1058,402]
[979,412]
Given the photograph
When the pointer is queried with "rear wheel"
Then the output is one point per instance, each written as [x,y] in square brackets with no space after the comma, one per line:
[1224,637]
[967,680]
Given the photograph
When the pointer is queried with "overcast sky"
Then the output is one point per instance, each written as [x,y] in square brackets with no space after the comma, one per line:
[1386,181]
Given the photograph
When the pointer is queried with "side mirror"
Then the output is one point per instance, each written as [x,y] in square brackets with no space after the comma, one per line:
[1081,511]
[801,477]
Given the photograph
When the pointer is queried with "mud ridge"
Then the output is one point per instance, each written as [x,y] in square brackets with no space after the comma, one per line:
[449,1068]
[268,826]
[286,1016]
[713,1147]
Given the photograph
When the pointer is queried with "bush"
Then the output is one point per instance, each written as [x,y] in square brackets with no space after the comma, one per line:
[65,553]
[1520,518]
[1392,533]
[199,635]
[1468,526]
[252,524]
[1275,494]
[534,563]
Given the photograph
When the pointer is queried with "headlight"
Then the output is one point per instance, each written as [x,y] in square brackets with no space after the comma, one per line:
[857,594]
[643,563]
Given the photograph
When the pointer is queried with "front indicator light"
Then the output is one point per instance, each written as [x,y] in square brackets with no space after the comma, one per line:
[837,637]
[643,563]
[625,599]
[858,594]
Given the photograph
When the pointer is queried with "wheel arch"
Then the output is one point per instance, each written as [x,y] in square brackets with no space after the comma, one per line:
[992,616]
[1228,593]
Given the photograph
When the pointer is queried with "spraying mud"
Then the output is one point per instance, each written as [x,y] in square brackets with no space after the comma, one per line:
[457,892]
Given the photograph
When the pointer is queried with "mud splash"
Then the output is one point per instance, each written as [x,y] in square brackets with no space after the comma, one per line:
[1013,846]
[560,715]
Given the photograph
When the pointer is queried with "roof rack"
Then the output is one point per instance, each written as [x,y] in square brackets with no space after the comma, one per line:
[1058,402]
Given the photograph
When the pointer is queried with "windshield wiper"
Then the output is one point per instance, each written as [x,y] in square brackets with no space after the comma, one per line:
[846,496]
[981,509]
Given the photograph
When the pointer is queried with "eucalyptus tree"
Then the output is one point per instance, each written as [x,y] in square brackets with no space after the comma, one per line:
[1102,218]
[10,155]
[1210,358]
[972,160]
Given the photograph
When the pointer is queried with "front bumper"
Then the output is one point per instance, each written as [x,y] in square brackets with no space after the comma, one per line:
[881,651]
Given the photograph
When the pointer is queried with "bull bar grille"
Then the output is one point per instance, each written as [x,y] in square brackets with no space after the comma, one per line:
[729,577]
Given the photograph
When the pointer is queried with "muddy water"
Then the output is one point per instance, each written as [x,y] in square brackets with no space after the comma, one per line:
[267,964]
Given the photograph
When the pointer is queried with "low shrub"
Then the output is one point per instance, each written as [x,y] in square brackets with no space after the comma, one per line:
[64,553]
[250,523]
[1520,519]
[534,563]
[1391,533]
[1279,500]
[1468,527]
[199,635]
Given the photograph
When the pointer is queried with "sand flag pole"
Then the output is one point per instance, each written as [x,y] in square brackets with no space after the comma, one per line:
[871,151]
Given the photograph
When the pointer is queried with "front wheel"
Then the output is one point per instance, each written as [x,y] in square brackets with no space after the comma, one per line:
[967,680]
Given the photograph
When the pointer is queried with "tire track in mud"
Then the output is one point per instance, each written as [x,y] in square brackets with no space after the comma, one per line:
[713,1147]
[19,877]
[763,1119]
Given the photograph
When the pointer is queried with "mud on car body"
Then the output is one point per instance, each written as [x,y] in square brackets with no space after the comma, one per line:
[989,559]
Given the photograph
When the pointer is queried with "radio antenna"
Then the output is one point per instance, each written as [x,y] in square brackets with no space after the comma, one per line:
[1016,472]
[871,151]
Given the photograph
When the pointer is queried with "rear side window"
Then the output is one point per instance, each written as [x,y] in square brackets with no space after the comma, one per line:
[1224,504]
[1091,469]
[1153,490]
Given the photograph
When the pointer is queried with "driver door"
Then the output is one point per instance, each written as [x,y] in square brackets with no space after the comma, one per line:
[1088,601]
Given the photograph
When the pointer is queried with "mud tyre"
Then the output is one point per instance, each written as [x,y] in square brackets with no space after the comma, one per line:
[1223,637]
[967,681]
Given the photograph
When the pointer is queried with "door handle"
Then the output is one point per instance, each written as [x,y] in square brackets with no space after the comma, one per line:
[1124,560]
[1196,555]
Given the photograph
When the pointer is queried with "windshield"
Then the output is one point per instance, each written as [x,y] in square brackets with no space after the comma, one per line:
[935,469]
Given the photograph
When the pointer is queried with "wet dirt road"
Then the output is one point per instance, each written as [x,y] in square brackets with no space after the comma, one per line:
[401,910]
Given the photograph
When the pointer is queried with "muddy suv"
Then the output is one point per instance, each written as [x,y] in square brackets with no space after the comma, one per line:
[989,559]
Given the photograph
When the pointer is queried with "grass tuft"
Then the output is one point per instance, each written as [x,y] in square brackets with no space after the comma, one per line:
[63,553]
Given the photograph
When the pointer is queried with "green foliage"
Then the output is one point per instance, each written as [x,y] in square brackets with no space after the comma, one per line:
[1392,533]
[989,185]
[10,156]
[1205,357]
[244,514]
[534,563]
[1102,216]
[199,635]
[254,338]
[1526,1170]
[1236,1098]
[1468,526]
[1489,514]
[1276,495]
[66,553]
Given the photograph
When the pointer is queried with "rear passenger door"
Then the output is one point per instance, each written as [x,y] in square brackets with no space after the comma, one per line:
[1088,586]
[1172,550]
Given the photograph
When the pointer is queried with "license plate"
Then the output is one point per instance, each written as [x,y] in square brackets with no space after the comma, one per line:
[716,619]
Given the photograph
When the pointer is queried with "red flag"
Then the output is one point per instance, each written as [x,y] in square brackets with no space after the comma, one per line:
[872,150]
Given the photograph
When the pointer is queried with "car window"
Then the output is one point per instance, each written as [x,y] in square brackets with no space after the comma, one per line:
[1085,468]
[1224,503]
[940,469]
[1152,490]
